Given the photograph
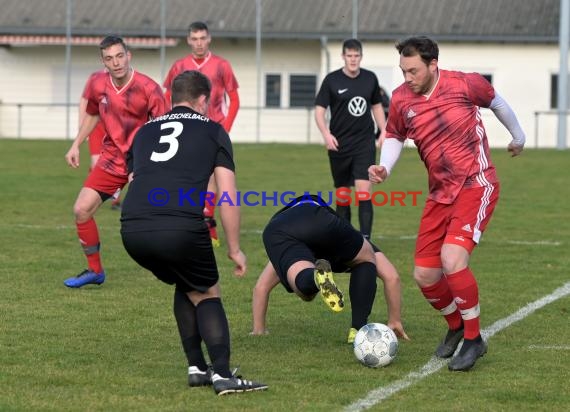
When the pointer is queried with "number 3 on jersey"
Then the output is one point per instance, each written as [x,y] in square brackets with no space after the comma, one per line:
[170,139]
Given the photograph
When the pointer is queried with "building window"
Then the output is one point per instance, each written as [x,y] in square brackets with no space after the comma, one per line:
[273,90]
[302,90]
[554,91]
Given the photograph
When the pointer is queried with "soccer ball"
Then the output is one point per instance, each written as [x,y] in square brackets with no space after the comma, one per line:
[375,345]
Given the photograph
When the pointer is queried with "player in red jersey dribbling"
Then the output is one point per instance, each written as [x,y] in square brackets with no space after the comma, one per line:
[439,111]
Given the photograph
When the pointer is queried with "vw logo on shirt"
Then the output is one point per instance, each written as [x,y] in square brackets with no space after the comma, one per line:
[357,106]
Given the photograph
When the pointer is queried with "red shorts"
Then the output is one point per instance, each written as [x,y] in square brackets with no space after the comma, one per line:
[96,139]
[104,183]
[461,223]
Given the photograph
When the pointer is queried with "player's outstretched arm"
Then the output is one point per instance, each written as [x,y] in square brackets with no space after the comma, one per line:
[391,150]
[331,142]
[82,111]
[260,302]
[87,125]
[380,119]
[392,293]
[232,110]
[507,117]
[230,214]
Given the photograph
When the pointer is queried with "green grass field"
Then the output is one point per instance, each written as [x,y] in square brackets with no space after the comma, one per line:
[115,347]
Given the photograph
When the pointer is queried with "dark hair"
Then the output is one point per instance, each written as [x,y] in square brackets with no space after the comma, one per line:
[111,41]
[197,26]
[423,46]
[189,85]
[351,44]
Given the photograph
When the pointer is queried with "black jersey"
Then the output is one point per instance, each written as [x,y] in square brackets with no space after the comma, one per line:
[172,158]
[350,101]
[307,229]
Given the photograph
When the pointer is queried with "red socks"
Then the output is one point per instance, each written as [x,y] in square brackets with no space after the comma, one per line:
[440,297]
[464,288]
[210,206]
[89,239]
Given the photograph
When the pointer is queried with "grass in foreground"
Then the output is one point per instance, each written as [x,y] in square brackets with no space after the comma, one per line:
[115,347]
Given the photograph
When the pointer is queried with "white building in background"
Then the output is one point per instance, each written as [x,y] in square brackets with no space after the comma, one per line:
[297,51]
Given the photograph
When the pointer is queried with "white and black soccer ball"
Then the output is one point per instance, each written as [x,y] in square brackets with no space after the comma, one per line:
[375,345]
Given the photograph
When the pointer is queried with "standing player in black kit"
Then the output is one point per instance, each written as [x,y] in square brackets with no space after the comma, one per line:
[163,227]
[353,94]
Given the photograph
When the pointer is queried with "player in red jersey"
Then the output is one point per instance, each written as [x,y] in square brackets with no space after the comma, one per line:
[223,80]
[123,100]
[95,141]
[439,111]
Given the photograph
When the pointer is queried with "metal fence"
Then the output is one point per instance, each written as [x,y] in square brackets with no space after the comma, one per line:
[546,128]
[252,125]
[37,120]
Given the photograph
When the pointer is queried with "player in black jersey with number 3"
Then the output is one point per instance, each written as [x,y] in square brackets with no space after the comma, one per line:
[163,228]
[353,94]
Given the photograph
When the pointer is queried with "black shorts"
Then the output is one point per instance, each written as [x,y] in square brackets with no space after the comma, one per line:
[178,257]
[346,169]
[310,232]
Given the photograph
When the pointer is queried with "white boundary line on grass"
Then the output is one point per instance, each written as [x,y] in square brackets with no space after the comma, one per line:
[549,347]
[434,364]
[259,231]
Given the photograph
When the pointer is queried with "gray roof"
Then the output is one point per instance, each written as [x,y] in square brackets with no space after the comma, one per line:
[458,20]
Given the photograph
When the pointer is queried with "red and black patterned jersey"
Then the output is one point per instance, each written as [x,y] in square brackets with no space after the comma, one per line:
[122,111]
[220,73]
[448,131]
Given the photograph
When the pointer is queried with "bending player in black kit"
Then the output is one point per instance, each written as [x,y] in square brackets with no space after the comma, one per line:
[306,242]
